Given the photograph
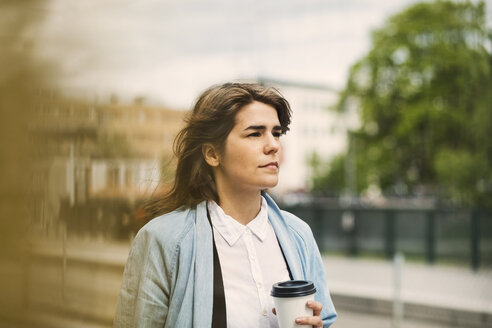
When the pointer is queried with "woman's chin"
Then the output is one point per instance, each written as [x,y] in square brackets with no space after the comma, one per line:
[270,184]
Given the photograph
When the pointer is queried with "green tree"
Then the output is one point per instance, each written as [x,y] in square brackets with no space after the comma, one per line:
[328,180]
[424,95]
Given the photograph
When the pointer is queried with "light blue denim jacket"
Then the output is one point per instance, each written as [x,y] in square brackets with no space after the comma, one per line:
[168,277]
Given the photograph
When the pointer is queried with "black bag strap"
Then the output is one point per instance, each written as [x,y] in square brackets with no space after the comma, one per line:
[219,319]
[285,260]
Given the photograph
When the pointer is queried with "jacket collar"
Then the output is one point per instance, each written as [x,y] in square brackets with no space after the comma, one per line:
[204,270]
[282,231]
[287,244]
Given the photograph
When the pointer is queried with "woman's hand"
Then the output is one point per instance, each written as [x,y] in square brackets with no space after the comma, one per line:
[315,320]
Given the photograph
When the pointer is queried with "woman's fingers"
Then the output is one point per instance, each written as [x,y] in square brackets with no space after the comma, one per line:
[315,320]
[312,321]
[316,306]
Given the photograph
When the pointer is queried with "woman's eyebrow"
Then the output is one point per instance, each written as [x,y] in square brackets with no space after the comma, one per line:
[262,127]
[255,127]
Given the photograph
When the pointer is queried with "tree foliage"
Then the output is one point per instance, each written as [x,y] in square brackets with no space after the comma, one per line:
[424,95]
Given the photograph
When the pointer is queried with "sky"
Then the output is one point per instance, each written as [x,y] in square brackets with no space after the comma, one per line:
[168,51]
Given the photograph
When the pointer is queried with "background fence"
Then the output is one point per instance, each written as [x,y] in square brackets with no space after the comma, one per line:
[455,235]
[431,234]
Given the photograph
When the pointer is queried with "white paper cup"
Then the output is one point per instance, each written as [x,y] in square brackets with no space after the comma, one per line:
[290,298]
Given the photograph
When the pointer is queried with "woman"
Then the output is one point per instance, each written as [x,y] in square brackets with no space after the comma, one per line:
[220,241]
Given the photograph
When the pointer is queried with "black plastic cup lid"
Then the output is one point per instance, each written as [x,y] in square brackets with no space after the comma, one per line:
[293,288]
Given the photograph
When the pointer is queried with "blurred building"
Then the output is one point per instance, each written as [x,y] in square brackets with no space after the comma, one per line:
[137,130]
[315,131]
[149,130]
[88,150]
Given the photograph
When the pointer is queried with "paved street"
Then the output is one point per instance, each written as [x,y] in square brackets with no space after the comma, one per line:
[438,285]
[350,319]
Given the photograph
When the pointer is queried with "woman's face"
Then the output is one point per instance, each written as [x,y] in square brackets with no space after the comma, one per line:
[250,160]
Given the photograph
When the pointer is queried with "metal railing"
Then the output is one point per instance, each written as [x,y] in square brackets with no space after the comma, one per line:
[436,234]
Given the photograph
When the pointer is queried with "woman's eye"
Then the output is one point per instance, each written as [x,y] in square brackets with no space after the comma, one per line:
[277,134]
[255,134]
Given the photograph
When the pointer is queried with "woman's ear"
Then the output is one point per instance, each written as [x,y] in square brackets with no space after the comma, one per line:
[210,154]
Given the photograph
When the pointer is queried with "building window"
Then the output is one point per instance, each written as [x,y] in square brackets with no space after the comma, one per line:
[112,177]
[141,117]
[128,177]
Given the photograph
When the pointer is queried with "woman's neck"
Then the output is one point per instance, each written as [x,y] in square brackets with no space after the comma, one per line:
[243,207]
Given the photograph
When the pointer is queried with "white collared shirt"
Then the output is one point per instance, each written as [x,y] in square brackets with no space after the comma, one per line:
[251,262]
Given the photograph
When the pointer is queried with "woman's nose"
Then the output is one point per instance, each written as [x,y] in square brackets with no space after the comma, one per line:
[272,145]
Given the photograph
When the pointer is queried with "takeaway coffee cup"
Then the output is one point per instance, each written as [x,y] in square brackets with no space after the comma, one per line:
[290,299]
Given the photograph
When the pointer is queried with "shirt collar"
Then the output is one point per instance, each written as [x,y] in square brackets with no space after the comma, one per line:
[231,230]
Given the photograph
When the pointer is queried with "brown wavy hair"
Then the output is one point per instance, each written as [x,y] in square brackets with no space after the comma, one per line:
[210,122]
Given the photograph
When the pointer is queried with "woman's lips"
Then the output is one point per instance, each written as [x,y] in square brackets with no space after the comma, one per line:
[271,165]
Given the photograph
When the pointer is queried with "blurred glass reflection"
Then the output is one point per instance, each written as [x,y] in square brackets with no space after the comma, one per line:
[75,167]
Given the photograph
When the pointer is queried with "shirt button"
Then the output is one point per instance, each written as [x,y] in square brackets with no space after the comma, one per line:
[264,312]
